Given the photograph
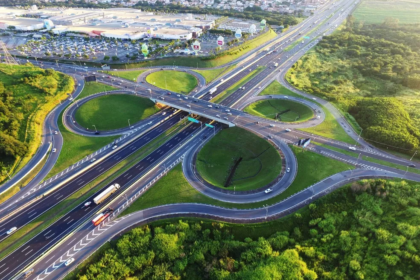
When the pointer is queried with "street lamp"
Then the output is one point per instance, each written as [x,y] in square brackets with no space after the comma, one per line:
[413,155]
[129,125]
[95,127]
[359,134]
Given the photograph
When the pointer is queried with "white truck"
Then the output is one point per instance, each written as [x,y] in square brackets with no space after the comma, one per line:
[106,193]
[213,90]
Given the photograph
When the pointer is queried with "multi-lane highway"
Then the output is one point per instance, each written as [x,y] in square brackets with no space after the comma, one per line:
[225,114]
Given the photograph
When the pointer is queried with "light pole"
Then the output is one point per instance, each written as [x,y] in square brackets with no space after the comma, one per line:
[359,134]
[406,171]
[266,211]
[413,155]
[95,127]
[129,125]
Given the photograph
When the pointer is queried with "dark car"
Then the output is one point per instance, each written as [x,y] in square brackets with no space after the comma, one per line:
[97,133]
[412,165]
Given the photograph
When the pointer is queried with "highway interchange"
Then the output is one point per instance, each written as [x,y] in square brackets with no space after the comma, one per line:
[183,145]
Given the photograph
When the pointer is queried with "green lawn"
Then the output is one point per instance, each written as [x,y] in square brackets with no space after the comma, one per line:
[407,12]
[260,164]
[329,128]
[76,147]
[210,75]
[113,111]
[282,110]
[94,87]
[224,94]
[192,61]
[174,188]
[129,75]
[177,81]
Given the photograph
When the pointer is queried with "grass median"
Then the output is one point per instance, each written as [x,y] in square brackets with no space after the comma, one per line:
[176,81]
[129,75]
[94,87]
[226,93]
[116,111]
[212,74]
[28,231]
[174,188]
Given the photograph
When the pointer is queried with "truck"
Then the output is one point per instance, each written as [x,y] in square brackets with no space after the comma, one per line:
[213,90]
[102,216]
[276,64]
[106,193]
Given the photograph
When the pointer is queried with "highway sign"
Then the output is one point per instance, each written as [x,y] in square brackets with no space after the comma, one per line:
[193,120]
[307,37]
[209,125]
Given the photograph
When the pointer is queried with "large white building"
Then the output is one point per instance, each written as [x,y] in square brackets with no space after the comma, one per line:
[122,23]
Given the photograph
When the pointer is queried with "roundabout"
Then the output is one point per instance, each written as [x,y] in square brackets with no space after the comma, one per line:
[176,81]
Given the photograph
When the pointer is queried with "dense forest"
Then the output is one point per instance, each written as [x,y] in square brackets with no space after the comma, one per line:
[24,92]
[368,230]
[254,13]
[359,66]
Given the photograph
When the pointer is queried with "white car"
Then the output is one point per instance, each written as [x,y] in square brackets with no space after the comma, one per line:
[288,169]
[55,132]
[69,261]
[188,105]
[87,203]
[114,147]
[10,231]
[92,160]
[268,190]
[164,113]
[209,106]
[288,129]
[54,150]
[352,148]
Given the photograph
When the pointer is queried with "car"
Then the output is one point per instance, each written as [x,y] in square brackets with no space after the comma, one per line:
[169,93]
[288,129]
[54,150]
[164,113]
[352,148]
[71,98]
[217,106]
[79,85]
[92,160]
[272,125]
[178,95]
[288,169]
[257,122]
[313,98]
[218,116]
[87,203]
[12,230]
[28,273]
[69,261]
[186,97]
[210,106]
[227,110]
[412,165]
[195,100]
[271,96]
[269,190]
[188,105]
[259,87]
[114,147]
[55,132]
[225,118]
[163,98]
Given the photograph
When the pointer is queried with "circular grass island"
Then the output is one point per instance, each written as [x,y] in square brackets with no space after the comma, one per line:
[110,112]
[257,162]
[176,81]
[281,110]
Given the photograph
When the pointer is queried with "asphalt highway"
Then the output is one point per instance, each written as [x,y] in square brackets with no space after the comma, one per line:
[48,237]
[73,184]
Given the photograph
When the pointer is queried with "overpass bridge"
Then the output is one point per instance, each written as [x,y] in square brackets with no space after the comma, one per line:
[203,108]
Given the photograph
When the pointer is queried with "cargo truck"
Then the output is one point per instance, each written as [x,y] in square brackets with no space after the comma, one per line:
[106,193]
[102,216]
[213,90]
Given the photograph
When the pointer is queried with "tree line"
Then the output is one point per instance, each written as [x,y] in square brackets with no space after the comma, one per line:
[368,230]
[23,91]
[361,65]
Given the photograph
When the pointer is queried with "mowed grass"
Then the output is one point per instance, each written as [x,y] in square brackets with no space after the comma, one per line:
[226,93]
[176,81]
[129,75]
[407,12]
[212,74]
[282,110]
[260,165]
[113,111]
[329,128]
[94,87]
[174,187]
[75,147]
